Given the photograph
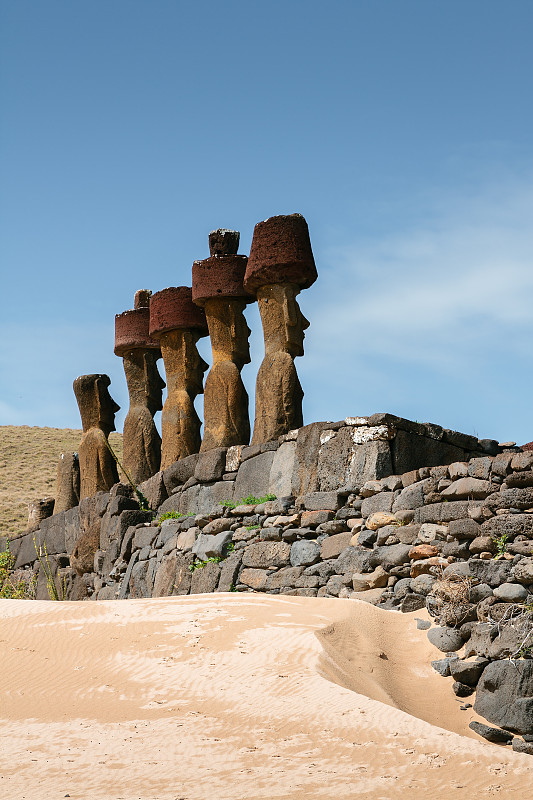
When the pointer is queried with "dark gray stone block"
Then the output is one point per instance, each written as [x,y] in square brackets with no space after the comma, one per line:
[505,695]
[371,461]
[229,569]
[492,572]
[211,465]
[179,472]
[445,639]
[154,490]
[205,580]
[253,477]
[493,735]
[444,512]
[389,556]
[411,451]
[304,553]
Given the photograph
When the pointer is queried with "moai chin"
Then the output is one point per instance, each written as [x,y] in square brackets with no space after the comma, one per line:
[141,440]
[177,323]
[217,286]
[98,470]
[281,263]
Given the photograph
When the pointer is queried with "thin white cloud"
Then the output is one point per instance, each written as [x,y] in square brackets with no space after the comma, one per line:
[465,280]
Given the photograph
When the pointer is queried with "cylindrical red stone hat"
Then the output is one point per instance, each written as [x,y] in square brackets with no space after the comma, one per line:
[132,331]
[219,276]
[173,309]
[280,253]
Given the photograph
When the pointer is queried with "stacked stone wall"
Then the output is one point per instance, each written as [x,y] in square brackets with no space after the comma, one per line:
[455,537]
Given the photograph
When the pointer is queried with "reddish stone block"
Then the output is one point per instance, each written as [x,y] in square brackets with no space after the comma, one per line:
[281,253]
[173,309]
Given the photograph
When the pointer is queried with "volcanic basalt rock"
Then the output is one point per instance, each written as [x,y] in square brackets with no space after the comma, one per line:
[217,286]
[142,443]
[98,470]
[178,324]
[281,263]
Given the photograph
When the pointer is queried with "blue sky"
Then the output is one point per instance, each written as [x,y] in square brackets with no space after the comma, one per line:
[401,130]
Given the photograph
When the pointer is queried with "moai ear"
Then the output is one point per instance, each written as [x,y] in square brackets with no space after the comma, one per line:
[99,403]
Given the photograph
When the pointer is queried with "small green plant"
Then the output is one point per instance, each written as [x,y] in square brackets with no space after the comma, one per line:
[144,505]
[232,587]
[53,592]
[10,588]
[501,545]
[199,564]
[251,500]
[170,515]
[252,527]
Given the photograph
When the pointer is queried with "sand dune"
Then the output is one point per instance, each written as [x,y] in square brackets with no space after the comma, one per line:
[230,697]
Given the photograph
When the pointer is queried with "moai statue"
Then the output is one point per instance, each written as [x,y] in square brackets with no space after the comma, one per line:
[281,263]
[98,470]
[177,323]
[68,482]
[141,440]
[217,286]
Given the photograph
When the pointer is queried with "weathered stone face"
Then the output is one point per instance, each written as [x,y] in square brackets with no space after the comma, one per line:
[178,324]
[98,470]
[281,262]
[142,443]
[217,285]
[68,482]
[283,322]
[184,367]
[228,330]
[278,393]
[226,421]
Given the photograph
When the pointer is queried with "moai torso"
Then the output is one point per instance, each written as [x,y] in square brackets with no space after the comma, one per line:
[68,482]
[218,287]
[281,262]
[141,440]
[278,398]
[98,470]
[178,324]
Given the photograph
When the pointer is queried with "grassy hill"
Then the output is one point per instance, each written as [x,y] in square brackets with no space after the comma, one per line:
[28,464]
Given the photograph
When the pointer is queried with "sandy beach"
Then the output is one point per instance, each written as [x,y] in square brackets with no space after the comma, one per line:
[233,696]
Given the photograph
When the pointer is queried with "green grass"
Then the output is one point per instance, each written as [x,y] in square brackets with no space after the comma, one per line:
[251,500]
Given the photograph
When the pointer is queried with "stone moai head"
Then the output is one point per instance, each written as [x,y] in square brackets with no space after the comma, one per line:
[97,407]
[217,286]
[281,263]
[177,323]
[140,353]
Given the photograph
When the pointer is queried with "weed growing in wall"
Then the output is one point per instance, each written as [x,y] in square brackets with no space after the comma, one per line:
[251,500]
[10,587]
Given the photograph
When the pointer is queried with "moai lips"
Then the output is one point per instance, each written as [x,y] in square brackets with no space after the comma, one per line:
[142,443]
[177,323]
[217,286]
[281,263]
